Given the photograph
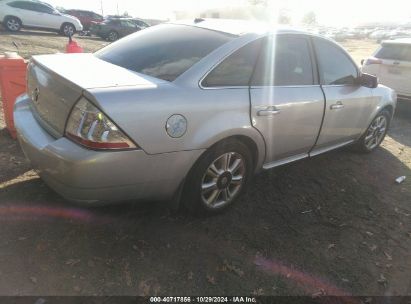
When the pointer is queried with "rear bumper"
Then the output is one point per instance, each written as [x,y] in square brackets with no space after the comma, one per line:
[88,176]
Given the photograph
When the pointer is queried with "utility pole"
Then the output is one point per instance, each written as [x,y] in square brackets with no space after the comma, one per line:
[102,9]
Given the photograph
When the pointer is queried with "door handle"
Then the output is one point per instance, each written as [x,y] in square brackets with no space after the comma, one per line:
[269,111]
[338,105]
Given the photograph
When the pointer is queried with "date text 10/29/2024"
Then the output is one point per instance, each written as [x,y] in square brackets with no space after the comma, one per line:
[203,300]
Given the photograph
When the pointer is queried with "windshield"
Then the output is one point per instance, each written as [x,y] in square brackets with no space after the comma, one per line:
[165,51]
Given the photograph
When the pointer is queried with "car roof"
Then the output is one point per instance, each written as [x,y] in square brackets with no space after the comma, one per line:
[34,1]
[79,10]
[398,41]
[238,27]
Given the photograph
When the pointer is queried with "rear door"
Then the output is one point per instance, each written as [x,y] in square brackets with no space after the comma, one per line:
[348,104]
[46,16]
[287,103]
[24,10]
[395,69]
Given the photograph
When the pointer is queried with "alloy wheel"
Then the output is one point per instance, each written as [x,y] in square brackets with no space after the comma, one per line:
[68,30]
[112,36]
[376,132]
[223,180]
[13,25]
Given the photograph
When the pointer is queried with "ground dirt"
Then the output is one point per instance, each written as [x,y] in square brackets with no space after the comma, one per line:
[334,224]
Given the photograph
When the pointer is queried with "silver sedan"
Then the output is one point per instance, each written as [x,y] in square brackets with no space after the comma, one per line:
[192,111]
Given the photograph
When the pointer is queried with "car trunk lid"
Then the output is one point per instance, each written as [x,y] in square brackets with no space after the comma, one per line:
[56,82]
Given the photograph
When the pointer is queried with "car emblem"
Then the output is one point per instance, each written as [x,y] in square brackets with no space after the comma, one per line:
[35,95]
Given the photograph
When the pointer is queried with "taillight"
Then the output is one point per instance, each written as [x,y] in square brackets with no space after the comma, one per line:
[89,127]
[373,60]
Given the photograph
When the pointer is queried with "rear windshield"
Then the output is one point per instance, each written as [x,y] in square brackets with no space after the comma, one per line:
[395,51]
[165,51]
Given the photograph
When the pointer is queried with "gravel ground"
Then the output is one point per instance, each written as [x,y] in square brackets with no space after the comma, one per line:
[335,224]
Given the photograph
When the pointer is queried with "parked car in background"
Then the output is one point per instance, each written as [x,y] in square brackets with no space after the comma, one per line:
[140,23]
[391,63]
[15,14]
[86,17]
[193,109]
[113,29]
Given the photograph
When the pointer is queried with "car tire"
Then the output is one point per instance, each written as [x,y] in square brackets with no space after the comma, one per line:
[375,133]
[12,24]
[67,29]
[112,36]
[218,178]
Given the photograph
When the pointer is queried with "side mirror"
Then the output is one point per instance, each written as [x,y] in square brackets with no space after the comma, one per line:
[368,80]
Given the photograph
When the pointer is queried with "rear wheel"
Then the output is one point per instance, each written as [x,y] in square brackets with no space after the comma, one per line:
[13,24]
[218,178]
[112,36]
[375,133]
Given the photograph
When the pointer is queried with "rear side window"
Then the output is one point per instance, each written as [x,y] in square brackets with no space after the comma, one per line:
[395,52]
[237,69]
[164,51]
[20,4]
[336,68]
[284,61]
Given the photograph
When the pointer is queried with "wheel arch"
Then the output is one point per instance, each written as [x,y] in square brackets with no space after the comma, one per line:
[256,150]
[390,109]
[12,16]
[256,154]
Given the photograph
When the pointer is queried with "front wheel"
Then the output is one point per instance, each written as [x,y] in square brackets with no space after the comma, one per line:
[218,178]
[375,133]
[68,29]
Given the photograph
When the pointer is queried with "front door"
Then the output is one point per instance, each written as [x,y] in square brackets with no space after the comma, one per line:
[348,104]
[287,103]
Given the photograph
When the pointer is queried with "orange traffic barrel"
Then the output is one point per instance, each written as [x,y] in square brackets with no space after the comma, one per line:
[13,70]
[73,47]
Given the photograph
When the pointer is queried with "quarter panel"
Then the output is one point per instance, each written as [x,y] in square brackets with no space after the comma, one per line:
[212,115]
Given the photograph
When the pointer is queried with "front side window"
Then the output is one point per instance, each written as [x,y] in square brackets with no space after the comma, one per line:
[140,24]
[335,67]
[237,69]
[127,23]
[284,61]
[164,51]
[41,8]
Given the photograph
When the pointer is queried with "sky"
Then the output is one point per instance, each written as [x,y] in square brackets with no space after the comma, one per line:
[331,12]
